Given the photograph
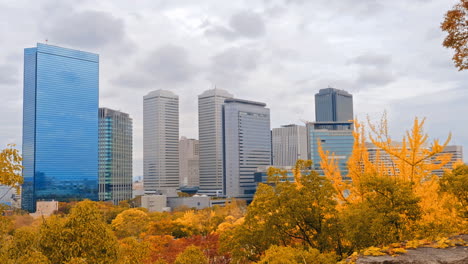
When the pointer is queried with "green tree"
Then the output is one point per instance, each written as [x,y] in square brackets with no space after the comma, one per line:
[77,261]
[286,213]
[191,255]
[25,240]
[456,183]
[290,255]
[130,222]
[33,257]
[386,213]
[83,234]
[132,251]
[22,247]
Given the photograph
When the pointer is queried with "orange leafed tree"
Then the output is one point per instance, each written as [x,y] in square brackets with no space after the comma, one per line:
[408,165]
[456,25]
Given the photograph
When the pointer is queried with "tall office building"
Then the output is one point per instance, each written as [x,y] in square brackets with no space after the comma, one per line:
[115,156]
[289,144]
[336,138]
[333,105]
[189,168]
[160,141]
[247,145]
[456,153]
[60,125]
[210,133]
[333,127]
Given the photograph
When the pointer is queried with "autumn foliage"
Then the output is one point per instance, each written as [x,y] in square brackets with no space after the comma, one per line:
[390,201]
[456,25]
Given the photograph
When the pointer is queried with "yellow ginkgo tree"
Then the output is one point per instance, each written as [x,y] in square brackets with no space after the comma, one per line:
[393,195]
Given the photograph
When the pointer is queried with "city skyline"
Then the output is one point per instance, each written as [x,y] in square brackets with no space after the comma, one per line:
[384,69]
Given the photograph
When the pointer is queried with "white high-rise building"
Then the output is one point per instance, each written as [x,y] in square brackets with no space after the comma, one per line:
[247,145]
[457,157]
[189,168]
[160,141]
[210,134]
[289,144]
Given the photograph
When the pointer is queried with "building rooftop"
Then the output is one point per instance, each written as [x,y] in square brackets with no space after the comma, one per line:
[332,122]
[241,101]
[330,89]
[160,93]
[66,52]
[290,125]
[215,92]
[112,111]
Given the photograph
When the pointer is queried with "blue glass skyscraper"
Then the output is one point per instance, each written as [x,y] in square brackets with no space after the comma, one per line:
[60,125]
[333,105]
[333,129]
[336,138]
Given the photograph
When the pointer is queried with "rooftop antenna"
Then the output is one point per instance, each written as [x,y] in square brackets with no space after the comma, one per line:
[305,121]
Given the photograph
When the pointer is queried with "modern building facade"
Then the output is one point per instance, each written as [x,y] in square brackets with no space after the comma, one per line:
[289,144]
[210,133]
[60,125]
[160,142]
[115,156]
[333,105]
[189,168]
[247,145]
[456,153]
[338,143]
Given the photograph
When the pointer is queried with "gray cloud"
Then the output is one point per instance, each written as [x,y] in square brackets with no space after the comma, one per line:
[8,75]
[438,108]
[169,64]
[371,78]
[270,57]
[245,24]
[360,9]
[248,24]
[221,31]
[233,65]
[86,29]
[371,59]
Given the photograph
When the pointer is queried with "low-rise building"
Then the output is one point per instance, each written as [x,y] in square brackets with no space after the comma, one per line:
[196,201]
[45,208]
[154,203]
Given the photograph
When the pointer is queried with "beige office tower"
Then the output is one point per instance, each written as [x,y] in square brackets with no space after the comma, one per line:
[189,169]
[210,133]
[160,142]
[289,144]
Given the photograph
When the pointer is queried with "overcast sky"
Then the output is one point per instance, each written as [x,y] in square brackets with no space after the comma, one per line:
[388,54]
